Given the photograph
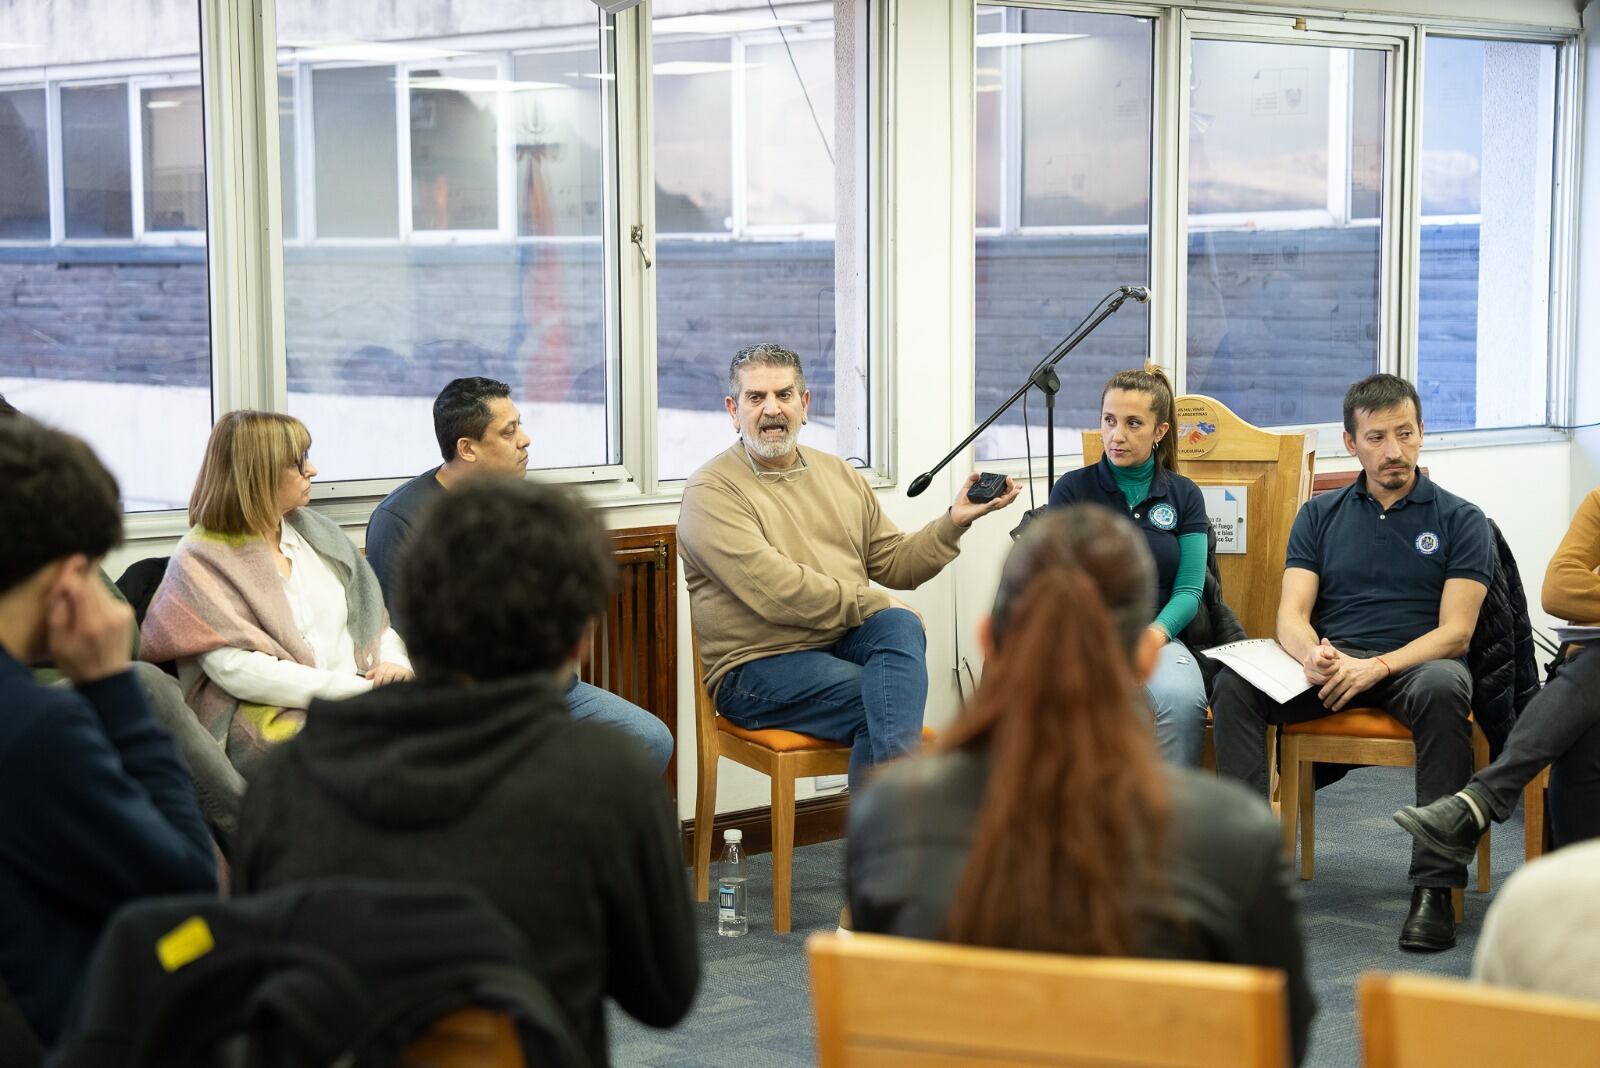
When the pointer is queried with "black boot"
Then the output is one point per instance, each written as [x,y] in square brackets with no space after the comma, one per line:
[1431,924]
[1446,827]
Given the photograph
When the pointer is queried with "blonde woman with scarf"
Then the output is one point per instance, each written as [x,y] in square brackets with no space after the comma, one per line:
[266,604]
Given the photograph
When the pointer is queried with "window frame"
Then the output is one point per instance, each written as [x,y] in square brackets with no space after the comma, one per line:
[1176,27]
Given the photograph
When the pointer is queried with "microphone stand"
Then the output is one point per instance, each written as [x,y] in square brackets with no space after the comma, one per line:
[1043,376]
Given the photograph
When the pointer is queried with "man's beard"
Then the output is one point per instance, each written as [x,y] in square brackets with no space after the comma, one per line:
[1393,478]
[771,450]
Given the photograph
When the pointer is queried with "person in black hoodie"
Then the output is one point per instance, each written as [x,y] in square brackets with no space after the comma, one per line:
[96,809]
[474,773]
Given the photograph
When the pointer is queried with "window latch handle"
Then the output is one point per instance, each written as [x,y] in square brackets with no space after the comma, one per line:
[636,235]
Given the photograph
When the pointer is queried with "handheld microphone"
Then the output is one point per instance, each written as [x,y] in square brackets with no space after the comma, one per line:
[919,484]
[1138,293]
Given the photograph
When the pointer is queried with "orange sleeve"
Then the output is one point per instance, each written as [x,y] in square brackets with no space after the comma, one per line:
[1571,587]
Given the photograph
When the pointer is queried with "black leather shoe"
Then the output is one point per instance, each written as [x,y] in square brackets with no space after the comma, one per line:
[1431,924]
[1446,827]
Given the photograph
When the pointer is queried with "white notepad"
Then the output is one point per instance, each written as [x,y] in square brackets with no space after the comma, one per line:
[1263,664]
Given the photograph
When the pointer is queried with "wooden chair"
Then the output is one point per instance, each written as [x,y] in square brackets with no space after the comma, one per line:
[782,756]
[1217,448]
[894,1002]
[1416,1021]
[1536,816]
[1355,736]
[467,1038]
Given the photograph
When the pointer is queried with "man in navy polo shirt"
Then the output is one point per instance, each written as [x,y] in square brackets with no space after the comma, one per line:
[1381,591]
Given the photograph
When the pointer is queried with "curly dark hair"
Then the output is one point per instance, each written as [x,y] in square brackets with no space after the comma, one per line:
[461,410]
[56,499]
[500,579]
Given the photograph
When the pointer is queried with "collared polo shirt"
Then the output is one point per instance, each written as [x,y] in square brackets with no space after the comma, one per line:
[1174,505]
[1381,574]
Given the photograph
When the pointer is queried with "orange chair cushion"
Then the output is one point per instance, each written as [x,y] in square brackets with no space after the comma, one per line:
[782,741]
[1355,723]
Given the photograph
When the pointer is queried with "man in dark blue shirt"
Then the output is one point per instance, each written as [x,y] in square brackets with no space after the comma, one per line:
[1381,591]
[96,810]
[480,434]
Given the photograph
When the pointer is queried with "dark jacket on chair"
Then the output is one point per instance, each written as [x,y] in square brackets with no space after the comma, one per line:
[563,825]
[330,971]
[1214,623]
[911,834]
[1502,657]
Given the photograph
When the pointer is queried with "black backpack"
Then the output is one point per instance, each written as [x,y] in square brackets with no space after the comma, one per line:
[336,972]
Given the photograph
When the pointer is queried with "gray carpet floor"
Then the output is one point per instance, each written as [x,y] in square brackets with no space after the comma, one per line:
[754,1008]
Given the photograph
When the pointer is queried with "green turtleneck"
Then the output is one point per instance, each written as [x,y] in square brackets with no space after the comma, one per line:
[1134,482]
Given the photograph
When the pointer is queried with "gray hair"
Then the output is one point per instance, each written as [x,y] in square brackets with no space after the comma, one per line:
[765,354]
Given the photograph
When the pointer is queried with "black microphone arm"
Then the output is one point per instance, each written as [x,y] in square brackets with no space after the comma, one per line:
[1044,376]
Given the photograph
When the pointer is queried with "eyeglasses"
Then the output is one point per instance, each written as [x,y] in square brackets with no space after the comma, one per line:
[787,474]
[300,464]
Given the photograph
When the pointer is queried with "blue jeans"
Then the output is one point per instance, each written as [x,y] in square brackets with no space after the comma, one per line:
[602,706]
[869,689]
[1177,695]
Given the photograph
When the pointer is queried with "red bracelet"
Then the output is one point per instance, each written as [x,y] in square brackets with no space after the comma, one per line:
[1385,664]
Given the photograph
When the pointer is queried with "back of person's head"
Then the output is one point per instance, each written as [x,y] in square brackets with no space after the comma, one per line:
[1073,819]
[56,500]
[501,578]
[236,491]
[461,410]
[1152,381]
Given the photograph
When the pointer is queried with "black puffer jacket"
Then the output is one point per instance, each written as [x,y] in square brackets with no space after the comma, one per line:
[1505,673]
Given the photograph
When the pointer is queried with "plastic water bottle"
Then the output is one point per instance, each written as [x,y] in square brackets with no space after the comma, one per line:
[731,919]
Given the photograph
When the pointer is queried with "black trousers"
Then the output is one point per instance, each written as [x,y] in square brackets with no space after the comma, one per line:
[1432,699]
[1561,728]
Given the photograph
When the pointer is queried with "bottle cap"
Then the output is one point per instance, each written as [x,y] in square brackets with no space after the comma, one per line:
[733,836]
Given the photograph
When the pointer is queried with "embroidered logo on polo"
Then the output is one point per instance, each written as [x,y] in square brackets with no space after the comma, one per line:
[1427,543]
[1164,516]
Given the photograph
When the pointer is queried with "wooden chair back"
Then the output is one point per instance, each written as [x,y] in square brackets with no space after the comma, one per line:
[1217,448]
[883,1002]
[1417,1021]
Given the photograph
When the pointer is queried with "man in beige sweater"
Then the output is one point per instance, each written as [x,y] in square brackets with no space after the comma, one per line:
[780,546]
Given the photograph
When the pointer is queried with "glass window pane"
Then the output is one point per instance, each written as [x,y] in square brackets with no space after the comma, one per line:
[1283,284]
[1488,138]
[381,312]
[94,161]
[789,166]
[288,155]
[174,159]
[693,86]
[1080,87]
[560,157]
[989,174]
[24,167]
[357,175]
[111,343]
[748,141]
[454,159]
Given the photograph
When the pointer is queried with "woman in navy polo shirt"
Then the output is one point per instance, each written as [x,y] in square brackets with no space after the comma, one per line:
[1138,476]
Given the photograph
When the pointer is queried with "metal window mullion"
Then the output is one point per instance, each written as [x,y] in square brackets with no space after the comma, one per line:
[136,156]
[1402,184]
[55,149]
[236,39]
[1561,380]
[402,141]
[632,169]
[505,150]
[1170,193]
[739,134]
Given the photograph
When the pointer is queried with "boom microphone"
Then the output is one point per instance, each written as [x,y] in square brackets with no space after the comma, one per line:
[1138,293]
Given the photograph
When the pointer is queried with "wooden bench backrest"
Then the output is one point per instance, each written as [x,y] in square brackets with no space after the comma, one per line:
[1416,1021]
[883,1002]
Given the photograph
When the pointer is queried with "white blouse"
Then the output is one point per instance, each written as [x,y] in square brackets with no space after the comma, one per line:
[317,602]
